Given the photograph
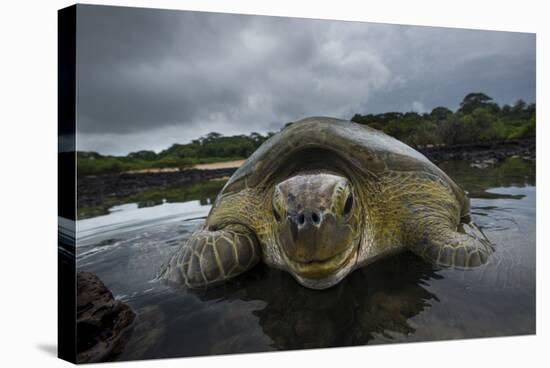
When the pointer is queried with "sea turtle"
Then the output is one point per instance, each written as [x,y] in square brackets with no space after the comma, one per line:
[324,197]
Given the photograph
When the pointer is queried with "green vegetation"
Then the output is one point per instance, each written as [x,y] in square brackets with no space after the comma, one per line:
[214,147]
[478,118]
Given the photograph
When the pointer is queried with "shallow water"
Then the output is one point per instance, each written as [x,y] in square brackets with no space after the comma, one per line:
[397,299]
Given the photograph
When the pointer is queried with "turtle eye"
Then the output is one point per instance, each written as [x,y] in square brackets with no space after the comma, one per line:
[348,205]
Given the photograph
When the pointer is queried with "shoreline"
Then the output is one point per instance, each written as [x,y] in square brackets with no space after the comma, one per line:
[235,164]
[94,190]
[483,151]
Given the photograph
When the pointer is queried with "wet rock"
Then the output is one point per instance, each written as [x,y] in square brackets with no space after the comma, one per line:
[93,190]
[483,153]
[479,165]
[483,164]
[103,324]
[490,161]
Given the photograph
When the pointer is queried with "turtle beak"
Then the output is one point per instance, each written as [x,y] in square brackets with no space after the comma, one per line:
[312,236]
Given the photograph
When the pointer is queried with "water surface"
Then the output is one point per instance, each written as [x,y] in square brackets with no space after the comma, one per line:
[394,300]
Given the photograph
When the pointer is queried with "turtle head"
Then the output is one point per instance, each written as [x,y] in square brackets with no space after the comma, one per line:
[317,227]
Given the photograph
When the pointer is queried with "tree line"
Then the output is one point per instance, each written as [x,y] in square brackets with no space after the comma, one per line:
[214,147]
[477,119]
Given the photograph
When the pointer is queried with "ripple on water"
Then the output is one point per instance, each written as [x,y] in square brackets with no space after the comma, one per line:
[397,299]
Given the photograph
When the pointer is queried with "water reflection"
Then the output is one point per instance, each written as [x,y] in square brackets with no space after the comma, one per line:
[397,299]
[377,300]
[512,172]
[204,192]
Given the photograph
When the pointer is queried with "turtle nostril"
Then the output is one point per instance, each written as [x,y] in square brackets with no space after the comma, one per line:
[315,218]
[301,219]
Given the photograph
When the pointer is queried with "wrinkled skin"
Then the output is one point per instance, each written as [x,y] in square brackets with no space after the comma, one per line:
[325,197]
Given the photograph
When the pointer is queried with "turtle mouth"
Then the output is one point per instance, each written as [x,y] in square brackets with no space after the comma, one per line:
[323,268]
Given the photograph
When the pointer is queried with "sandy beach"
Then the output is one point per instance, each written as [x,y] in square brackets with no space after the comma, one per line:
[220,165]
[212,166]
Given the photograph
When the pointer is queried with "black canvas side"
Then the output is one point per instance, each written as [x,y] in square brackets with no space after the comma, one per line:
[66,279]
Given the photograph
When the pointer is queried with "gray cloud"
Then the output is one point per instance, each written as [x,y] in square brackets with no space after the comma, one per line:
[150,78]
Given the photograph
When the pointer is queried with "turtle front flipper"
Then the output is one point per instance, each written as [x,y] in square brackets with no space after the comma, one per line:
[211,257]
[462,248]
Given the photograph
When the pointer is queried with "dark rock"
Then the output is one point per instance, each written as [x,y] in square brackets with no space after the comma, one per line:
[92,190]
[103,324]
[484,153]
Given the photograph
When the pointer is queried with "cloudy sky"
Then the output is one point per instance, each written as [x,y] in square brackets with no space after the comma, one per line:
[151,78]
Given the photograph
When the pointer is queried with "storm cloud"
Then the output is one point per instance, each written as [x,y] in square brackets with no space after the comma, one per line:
[149,78]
